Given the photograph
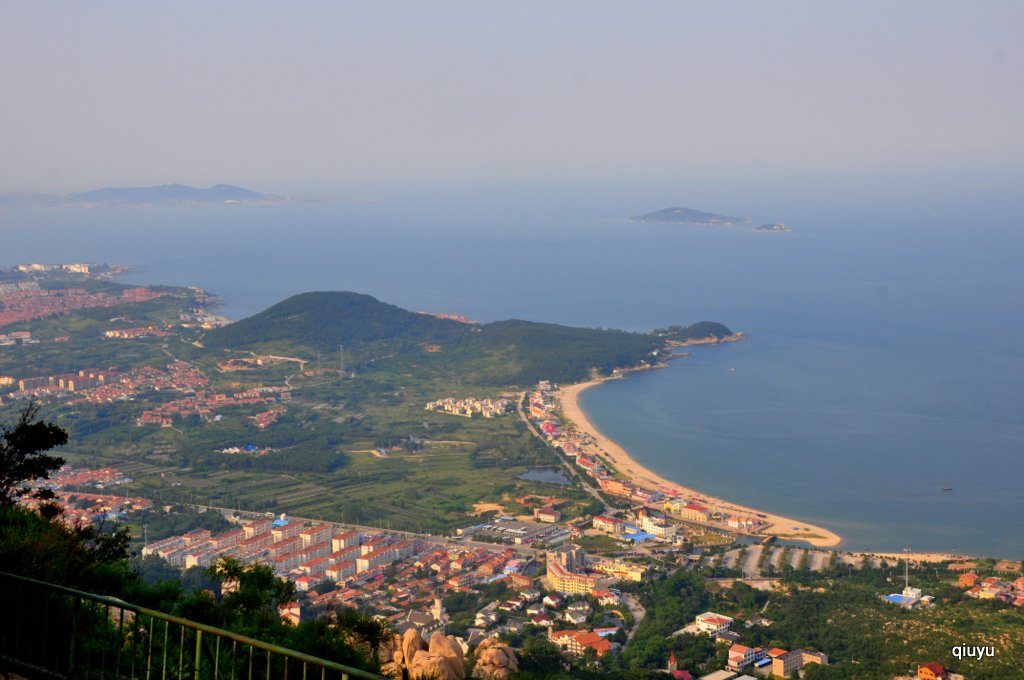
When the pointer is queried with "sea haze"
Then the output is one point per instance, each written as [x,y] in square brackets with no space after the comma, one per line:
[884,357]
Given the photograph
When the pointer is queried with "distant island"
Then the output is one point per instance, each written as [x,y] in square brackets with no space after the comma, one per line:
[162,194]
[777,228]
[688,216]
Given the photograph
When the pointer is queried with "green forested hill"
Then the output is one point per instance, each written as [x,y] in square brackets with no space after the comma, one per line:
[504,352]
[326,319]
[541,351]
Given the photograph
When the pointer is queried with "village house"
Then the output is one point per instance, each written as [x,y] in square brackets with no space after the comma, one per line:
[932,671]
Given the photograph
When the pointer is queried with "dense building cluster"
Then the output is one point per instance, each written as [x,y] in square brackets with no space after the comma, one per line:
[27,301]
[488,408]
[993,588]
[206,405]
[135,333]
[98,386]
[89,508]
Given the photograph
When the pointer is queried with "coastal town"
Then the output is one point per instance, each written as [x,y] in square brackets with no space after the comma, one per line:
[545,580]
[567,554]
[27,301]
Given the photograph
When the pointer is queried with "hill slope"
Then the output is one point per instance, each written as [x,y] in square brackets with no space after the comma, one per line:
[499,353]
[322,320]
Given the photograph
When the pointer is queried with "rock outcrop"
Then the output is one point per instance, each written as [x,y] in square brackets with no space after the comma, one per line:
[494,661]
[409,657]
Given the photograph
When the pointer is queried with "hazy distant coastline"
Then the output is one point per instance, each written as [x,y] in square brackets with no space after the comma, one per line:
[141,196]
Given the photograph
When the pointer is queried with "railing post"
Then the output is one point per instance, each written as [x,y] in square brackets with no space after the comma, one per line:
[181,652]
[149,652]
[167,624]
[120,644]
[103,654]
[46,626]
[135,642]
[199,640]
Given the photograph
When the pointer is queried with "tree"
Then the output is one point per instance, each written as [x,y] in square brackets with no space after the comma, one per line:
[254,591]
[23,459]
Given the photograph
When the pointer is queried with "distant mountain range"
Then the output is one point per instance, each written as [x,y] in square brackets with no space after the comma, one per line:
[688,216]
[165,193]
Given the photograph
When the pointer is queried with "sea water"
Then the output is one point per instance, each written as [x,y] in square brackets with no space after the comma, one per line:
[884,357]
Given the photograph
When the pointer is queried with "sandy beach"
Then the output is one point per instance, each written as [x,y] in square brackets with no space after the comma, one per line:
[621,461]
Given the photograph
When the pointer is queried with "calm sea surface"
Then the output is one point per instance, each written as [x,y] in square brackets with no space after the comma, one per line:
[886,348]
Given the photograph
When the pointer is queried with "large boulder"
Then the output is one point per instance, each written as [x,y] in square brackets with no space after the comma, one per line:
[412,642]
[411,658]
[392,670]
[386,651]
[448,647]
[433,667]
[494,661]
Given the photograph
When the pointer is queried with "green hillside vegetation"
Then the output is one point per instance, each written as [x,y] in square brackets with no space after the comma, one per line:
[323,320]
[838,612]
[513,352]
[697,331]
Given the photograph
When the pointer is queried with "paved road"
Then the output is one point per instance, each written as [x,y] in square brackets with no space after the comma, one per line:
[638,613]
[572,473]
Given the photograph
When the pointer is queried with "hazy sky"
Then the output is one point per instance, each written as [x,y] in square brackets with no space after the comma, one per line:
[272,94]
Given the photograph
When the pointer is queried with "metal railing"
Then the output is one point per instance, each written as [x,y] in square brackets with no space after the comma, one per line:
[50,631]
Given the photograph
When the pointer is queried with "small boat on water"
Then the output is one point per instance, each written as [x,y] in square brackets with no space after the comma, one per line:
[945,487]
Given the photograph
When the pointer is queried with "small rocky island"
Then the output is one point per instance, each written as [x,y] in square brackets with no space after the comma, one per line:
[776,228]
[688,216]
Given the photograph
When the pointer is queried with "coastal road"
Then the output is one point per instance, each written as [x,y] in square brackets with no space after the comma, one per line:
[572,473]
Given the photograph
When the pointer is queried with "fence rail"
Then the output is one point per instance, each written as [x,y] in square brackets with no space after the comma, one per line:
[50,631]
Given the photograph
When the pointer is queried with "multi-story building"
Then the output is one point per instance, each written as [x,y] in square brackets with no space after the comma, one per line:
[741,656]
[611,525]
[572,583]
[287,530]
[620,569]
[790,662]
[345,539]
[316,534]
[341,570]
[712,623]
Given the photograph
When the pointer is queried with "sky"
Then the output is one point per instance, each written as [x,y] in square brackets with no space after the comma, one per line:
[277,96]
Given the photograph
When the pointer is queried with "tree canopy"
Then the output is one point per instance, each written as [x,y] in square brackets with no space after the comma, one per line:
[23,457]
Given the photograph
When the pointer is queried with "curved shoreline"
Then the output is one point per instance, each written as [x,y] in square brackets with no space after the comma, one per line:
[627,466]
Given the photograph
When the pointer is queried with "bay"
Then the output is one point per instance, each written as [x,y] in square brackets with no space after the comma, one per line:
[884,356]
